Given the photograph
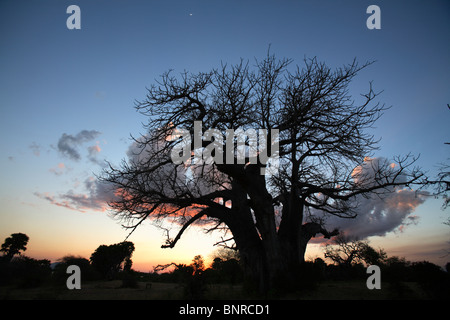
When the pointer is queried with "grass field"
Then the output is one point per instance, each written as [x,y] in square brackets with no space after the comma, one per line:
[112,290]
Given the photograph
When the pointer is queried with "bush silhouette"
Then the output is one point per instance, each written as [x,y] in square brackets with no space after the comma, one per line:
[88,273]
[26,272]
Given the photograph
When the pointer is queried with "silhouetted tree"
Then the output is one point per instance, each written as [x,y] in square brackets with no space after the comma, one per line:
[225,254]
[196,283]
[432,279]
[183,272]
[108,260]
[13,245]
[88,272]
[191,277]
[226,266]
[396,269]
[127,265]
[322,144]
[227,271]
[347,251]
[74,260]
[198,264]
[371,256]
[28,272]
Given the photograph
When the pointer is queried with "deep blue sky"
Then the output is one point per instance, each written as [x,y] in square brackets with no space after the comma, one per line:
[55,81]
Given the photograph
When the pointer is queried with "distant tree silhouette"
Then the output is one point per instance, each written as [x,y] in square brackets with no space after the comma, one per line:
[14,244]
[347,251]
[198,264]
[371,256]
[432,279]
[72,259]
[228,271]
[225,254]
[226,267]
[195,283]
[396,269]
[24,272]
[28,272]
[108,260]
[323,142]
[87,270]
[192,277]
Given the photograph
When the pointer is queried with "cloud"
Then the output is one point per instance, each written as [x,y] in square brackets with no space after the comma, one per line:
[59,169]
[378,215]
[93,151]
[68,144]
[36,149]
[93,194]
[95,197]
[49,197]
[90,195]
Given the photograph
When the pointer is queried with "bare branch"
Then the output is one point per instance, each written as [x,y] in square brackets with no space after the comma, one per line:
[172,243]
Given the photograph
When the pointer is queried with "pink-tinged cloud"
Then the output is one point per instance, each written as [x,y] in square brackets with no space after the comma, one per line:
[96,197]
[59,169]
[51,198]
[93,151]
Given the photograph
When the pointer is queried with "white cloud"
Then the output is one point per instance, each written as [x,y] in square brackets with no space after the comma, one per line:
[378,214]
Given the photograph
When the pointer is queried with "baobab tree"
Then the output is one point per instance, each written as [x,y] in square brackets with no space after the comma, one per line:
[315,131]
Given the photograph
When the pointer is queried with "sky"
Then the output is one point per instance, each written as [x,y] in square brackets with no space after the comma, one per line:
[67,104]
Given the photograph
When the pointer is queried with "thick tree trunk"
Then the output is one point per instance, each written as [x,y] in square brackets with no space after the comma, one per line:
[262,204]
[272,256]
[290,230]
[253,226]
[246,237]
[249,245]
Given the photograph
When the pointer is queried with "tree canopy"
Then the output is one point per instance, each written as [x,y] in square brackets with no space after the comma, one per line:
[347,251]
[322,146]
[110,259]
[14,244]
